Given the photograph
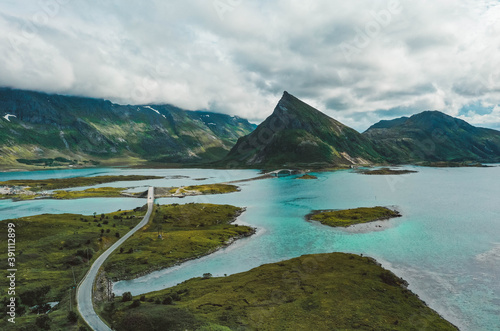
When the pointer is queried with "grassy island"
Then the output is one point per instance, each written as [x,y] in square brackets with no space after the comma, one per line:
[52,254]
[385,171]
[100,192]
[176,233]
[35,192]
[334,291]
[348,217]
[196,190]
[36,185]
[307,176]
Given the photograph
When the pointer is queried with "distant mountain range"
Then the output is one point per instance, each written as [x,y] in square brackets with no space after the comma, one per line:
[434,136]
[37,126]
[38,129]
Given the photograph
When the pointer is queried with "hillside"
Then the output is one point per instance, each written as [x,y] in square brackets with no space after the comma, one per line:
[334,291]
[65,130]
[296,135]
[433,136]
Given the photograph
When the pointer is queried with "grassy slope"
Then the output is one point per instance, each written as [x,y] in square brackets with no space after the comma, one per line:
[347,217]
[334,291]
[434,136]
[299,135]
[48,246]
[188,231]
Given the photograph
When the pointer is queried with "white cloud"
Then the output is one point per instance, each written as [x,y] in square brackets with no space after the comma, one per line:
[237,57]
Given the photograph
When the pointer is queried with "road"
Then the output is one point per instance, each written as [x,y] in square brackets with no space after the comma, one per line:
[84,291]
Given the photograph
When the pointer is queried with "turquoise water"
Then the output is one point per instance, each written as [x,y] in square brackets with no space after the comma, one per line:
[447,244]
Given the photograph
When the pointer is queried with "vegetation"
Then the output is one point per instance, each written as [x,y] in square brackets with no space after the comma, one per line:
[53,254]
[444,164]
[432,136]
[300,136]
[51,126]
[101,192]
[60,183]
[334,291]
[56,162]
[112,192]
[175,234]
[307,176]
[385,171]
[199,190]
[347,217]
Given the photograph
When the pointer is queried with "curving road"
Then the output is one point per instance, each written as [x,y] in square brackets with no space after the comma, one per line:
[84,291]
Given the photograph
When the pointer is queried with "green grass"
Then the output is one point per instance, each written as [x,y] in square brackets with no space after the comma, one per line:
[334,291]
[347,217]
[50,248]
[101,192]
[60,183]
[187,232]
[385,171]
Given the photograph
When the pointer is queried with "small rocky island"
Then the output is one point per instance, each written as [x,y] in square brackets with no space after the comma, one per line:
[307,176]
[348,217]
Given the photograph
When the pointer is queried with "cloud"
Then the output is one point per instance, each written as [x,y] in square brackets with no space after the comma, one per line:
[359,62]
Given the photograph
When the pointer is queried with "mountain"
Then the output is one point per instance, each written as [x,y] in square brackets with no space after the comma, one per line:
[433,136]
[37,127]
[295,135]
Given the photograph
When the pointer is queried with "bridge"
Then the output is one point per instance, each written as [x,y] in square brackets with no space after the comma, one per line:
[282,172]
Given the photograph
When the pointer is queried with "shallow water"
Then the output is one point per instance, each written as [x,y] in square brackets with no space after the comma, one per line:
[446,245]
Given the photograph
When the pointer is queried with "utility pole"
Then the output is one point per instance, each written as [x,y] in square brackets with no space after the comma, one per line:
[74,280]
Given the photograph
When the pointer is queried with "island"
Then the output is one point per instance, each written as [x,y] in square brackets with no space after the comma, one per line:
[29,190]
[385,171]
[20,189]
[335,291]
[307,176]
[348,217]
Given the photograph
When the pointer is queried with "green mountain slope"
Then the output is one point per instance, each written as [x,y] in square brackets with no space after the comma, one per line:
[75,128]
[297,134]
[434,136]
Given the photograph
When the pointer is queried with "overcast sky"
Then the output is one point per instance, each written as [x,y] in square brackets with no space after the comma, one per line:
[358,61]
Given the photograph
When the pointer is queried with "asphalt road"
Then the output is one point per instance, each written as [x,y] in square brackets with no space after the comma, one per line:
[84,291]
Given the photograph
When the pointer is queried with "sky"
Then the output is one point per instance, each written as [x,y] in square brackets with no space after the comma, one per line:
[357,61]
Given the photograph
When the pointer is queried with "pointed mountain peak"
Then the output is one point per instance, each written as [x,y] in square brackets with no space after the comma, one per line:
[298,134]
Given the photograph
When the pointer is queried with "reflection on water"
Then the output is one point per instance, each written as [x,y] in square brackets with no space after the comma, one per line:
[446,244]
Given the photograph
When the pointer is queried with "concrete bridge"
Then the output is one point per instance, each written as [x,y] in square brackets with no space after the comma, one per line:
[282,172]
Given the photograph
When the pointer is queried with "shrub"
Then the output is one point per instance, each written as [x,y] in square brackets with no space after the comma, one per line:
[127,296]
[135,304]
[72,317]
[43,322]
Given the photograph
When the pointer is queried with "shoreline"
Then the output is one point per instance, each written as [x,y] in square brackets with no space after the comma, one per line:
[178,263]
